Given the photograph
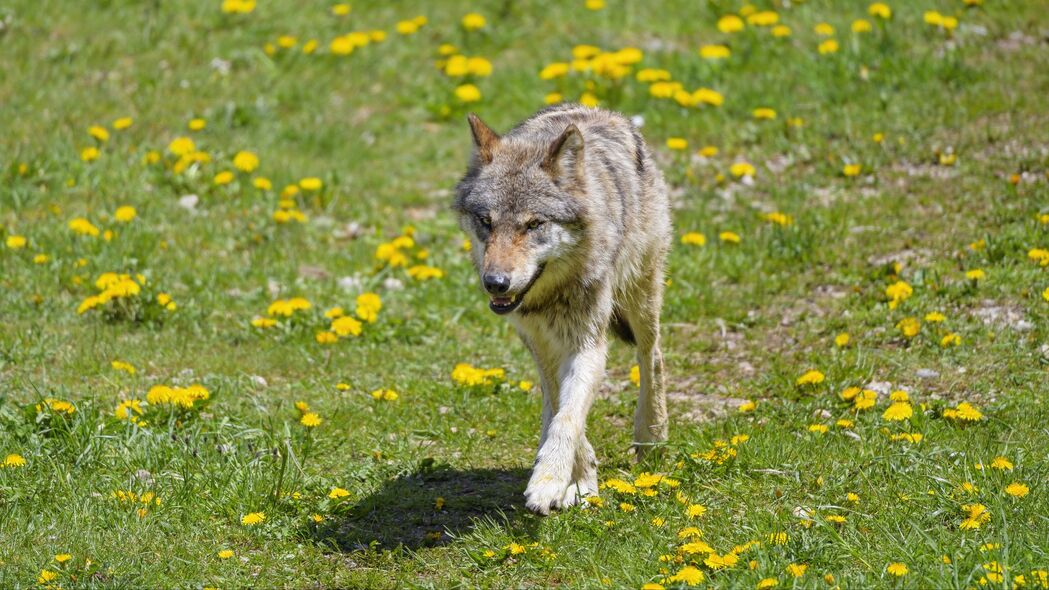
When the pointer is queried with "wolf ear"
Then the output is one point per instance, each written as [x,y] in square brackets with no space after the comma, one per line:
[565,155]
[485,139]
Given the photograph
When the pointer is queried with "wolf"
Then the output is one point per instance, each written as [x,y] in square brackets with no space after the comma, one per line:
[571,224]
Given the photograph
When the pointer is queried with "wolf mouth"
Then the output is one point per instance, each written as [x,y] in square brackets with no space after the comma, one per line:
[505,305]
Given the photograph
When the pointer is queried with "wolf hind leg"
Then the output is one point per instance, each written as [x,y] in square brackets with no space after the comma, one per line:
[650,418]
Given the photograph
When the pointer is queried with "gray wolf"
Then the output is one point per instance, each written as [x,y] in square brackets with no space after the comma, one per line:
[571,225]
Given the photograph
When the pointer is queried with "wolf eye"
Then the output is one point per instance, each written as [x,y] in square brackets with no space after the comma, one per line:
[534,224]
[485,221]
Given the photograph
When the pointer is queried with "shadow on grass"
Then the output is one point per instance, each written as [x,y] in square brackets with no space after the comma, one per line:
[403,513]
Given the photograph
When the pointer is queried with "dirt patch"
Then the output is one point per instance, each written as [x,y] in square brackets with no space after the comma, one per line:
[699,406]
[1002,315]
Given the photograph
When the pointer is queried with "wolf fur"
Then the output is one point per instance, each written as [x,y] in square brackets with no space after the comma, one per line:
[571,225]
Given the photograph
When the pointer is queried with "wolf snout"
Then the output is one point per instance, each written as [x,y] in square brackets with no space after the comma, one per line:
[496,283]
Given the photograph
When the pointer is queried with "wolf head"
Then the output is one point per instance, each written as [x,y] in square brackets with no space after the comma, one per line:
[521,204]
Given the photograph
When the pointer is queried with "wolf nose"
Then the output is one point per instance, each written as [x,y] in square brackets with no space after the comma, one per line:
[496,284]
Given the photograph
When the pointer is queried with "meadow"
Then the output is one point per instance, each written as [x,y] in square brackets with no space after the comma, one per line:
[242,345]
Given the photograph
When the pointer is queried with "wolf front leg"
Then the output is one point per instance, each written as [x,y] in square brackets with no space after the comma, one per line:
[566,466]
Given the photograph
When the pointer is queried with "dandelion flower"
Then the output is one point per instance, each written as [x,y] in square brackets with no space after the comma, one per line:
[764,18]
[677,143]
[976,515]
[338,493]
[741,169]
[897,569]
[714,52]
[310,420]
[253,518]
[1002,464]
[694,239]
[468,93]
[368,306]
[14,460]
[554,70]
[1017,489]
[225,554]
[861,25]
[828,46]
[246,161]
[181,146]
[695,510]
[311,183]
[909,327]
[810,377]
[797,570]
[123,366]
[898,411]
[729,237]
[688,575]
[964,412]
[473,21]
[898,292]
[238,6]
[880,10]
[125,214]
[730,24]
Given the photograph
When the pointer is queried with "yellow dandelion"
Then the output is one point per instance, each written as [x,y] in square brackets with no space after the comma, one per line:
[897,569]
[253,518]
[810,377]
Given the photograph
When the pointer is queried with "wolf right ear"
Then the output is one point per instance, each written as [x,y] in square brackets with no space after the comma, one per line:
[485,139]
[565,155]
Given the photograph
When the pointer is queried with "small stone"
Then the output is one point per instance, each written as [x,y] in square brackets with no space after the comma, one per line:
[353,283]
[879,387]
[188,202]
[927,374]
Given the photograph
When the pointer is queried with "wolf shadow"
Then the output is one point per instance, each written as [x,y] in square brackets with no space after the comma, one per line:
[405,512]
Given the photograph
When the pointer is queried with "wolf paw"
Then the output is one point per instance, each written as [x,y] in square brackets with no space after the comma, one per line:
[644,450]
[577,493]
[546,492]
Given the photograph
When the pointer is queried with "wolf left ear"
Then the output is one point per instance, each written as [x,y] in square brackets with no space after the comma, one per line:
[485,139]
[565,155]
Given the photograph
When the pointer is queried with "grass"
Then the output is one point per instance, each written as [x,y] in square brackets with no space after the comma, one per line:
[382,129]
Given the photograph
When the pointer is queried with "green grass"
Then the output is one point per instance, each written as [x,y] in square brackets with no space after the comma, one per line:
[383,131]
